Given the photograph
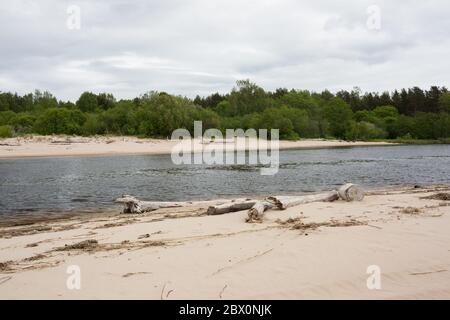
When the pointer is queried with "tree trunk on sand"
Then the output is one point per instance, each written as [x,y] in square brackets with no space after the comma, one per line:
[351,192]
[256,213]
[348,192]
[133,205]
[233,206]
[284,202]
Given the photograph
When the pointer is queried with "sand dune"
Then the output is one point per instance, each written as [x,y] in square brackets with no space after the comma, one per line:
[316,250]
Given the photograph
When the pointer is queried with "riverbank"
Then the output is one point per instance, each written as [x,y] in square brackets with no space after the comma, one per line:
[315,250]
[57,146]
[414,141]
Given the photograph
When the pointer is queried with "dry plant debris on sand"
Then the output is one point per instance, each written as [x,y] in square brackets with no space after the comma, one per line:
[444,196]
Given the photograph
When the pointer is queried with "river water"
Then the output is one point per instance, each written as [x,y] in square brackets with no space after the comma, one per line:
[75,183]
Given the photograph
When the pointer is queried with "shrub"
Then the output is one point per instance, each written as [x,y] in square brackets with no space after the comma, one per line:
[60,121]
[6,132]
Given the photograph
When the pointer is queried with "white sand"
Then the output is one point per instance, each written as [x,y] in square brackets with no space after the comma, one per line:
[213,257]
[51,146]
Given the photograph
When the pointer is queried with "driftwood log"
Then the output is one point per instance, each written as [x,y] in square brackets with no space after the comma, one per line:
[284,202]
[347,192]
[256,213]
[133,205]
[232,206]
[256,208]
[351,192]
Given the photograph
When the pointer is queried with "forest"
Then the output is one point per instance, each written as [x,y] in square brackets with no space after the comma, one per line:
[404,114]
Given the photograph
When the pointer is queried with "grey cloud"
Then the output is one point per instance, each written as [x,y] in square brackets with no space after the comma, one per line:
[200,46]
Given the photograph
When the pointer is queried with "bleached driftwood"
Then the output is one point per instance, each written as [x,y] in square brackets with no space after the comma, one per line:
[133,205]
[347,192]
[256,213]
[232,206]
[284,202]
[351,192]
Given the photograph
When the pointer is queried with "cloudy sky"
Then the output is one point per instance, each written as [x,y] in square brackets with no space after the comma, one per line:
[191,47]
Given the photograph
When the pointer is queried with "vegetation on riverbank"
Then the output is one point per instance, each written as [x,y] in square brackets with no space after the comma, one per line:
[407,116]
[414,141]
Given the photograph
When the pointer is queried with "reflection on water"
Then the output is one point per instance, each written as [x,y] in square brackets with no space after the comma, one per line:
[57,184]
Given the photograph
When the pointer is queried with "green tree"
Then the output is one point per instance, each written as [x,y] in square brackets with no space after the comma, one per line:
[43,100]
[444,102]
[274,118]
[87,102]
[6,117]
[122,119]
[385,112]
[23,123]
[105,101]
[93,125]
[247,98]
[367,131]
[339,116]
[404,126]
[225,109]
[60,121]
[4,102]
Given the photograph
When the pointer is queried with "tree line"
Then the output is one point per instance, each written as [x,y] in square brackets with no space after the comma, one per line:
[351,115]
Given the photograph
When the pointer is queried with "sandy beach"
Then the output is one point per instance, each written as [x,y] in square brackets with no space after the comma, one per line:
[57,146]
[315,250]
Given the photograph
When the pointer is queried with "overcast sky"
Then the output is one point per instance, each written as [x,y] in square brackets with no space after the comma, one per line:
[191,47]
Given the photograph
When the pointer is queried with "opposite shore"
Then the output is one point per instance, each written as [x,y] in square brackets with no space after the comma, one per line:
[59,146]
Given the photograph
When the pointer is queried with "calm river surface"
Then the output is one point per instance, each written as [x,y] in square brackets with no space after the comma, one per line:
[72,183]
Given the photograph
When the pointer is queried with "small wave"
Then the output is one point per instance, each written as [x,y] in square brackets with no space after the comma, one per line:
[79,200]
[241,167]
[326,163]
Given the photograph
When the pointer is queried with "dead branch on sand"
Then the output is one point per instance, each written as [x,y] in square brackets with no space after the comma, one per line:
[256,208]
[133,205]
